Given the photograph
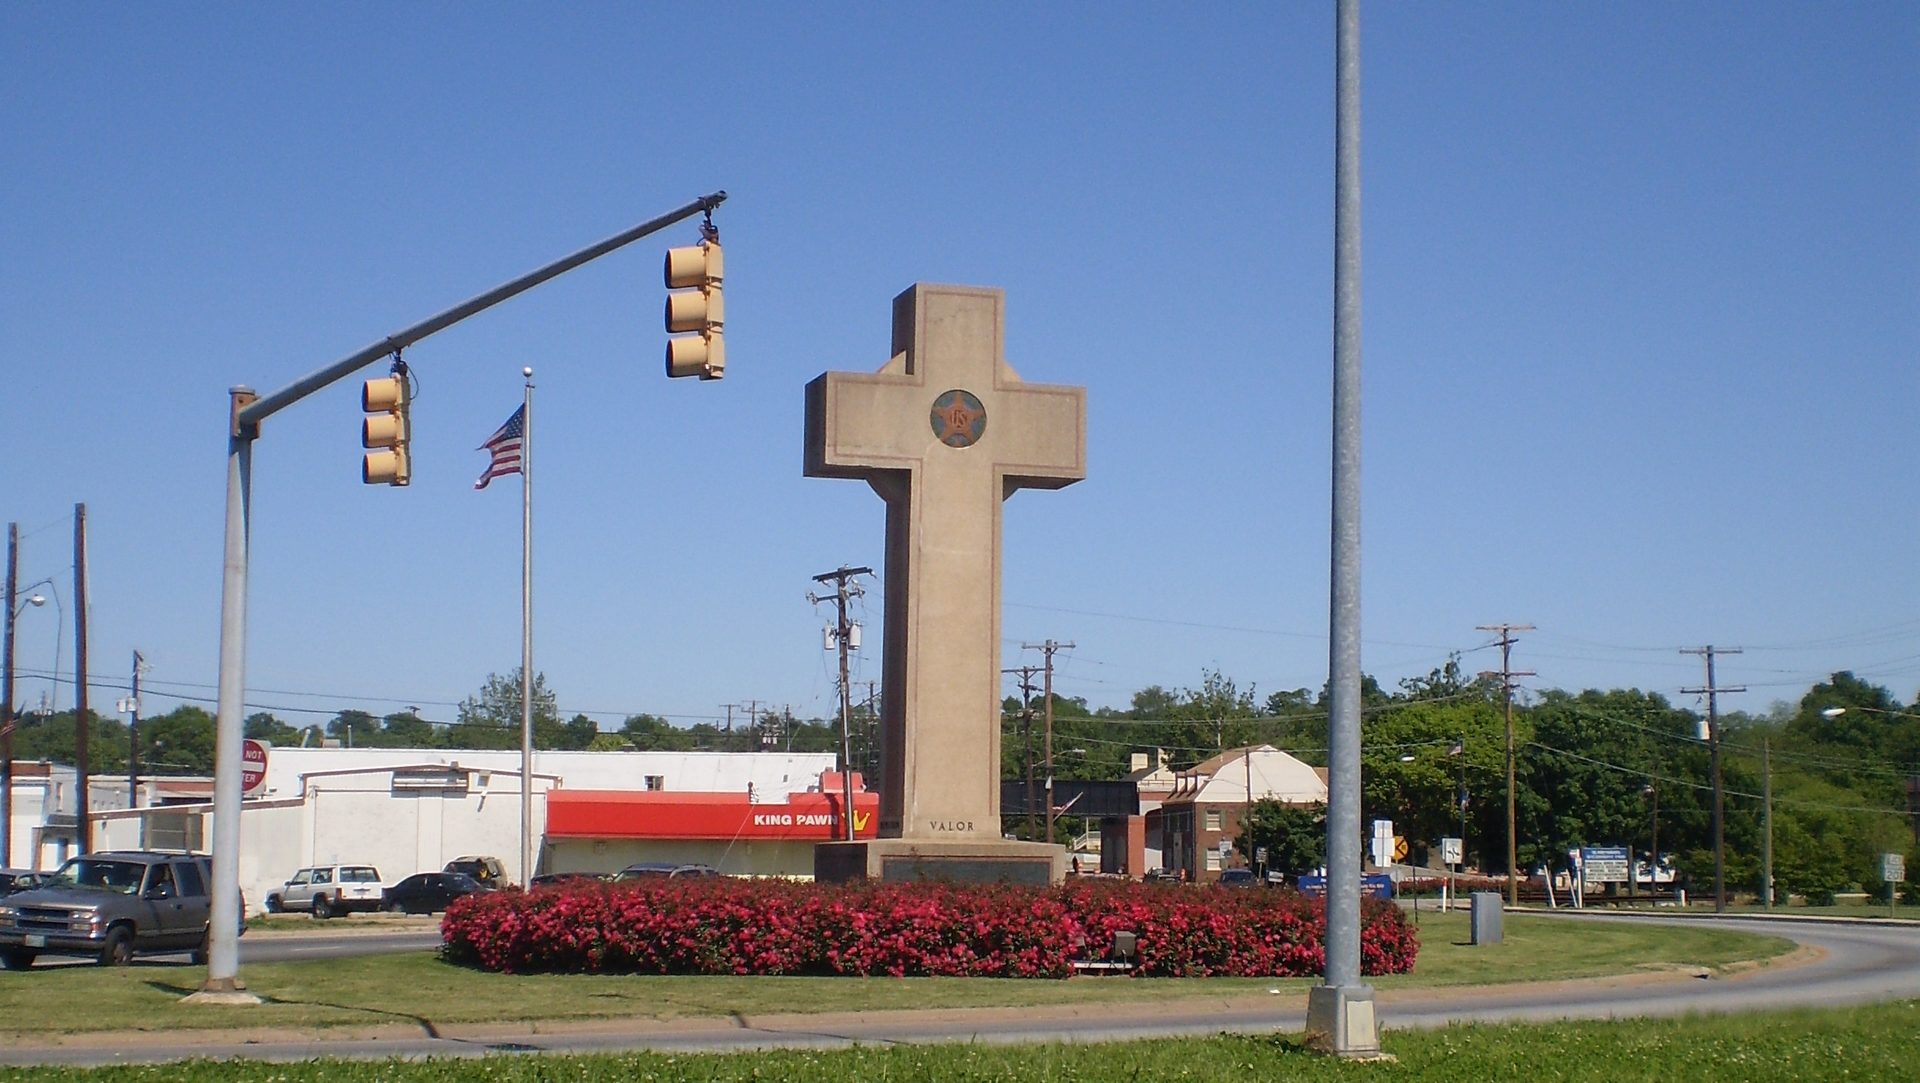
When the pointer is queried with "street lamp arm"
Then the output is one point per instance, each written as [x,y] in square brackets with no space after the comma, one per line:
[37,599]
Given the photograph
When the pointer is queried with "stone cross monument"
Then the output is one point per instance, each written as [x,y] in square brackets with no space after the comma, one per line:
[944,433]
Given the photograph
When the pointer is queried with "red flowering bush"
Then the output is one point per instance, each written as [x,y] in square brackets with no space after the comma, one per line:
[726,926]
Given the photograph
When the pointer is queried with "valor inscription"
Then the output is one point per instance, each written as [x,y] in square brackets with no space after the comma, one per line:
[950,826]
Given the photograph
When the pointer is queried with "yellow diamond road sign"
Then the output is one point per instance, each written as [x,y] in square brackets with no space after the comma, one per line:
[1399,847]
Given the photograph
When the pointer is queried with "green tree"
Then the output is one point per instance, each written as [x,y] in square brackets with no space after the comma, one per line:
[354,728]
[263,726]
[1295,837]
[405,729]
[651,733]
[491,718]
[578,733]
[1421,758]
[52,737]
[1584,765]
[179,742]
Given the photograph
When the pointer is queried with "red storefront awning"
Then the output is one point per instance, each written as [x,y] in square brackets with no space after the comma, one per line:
[635,814]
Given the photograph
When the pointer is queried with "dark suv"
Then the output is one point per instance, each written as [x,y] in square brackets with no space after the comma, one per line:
[110,905]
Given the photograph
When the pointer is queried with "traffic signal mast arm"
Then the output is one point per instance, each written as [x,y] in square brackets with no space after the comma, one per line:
[250,416]
[246,412]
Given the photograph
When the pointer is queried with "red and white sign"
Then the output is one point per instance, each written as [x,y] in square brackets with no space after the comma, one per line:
[253,765]
[628,814]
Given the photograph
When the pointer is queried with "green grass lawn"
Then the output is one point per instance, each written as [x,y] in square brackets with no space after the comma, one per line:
[1860,1045]
[418,988]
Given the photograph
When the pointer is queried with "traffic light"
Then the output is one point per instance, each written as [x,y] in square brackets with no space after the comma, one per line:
[699,309]
[386,399]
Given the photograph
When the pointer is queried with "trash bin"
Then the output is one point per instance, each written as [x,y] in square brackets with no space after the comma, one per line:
[1485,919]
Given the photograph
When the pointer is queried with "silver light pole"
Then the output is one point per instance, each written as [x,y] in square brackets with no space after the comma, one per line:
[1340,1013]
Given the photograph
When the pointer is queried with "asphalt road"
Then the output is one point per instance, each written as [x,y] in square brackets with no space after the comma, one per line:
[1858,963]
[280,949]
[285,947]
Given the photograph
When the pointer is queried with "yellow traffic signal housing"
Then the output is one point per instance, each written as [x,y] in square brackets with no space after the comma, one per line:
[702,310]
[386,400]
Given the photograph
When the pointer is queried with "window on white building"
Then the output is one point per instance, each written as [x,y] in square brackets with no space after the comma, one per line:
[656,782]
[1213,861]
[1213,822]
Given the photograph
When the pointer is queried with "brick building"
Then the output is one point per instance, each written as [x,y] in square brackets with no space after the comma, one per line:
[1208,802]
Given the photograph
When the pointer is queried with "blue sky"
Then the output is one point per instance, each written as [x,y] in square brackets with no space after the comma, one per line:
[1641,295]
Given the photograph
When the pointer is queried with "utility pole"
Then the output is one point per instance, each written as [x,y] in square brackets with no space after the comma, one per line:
[1507,674]
[1048,649]
[133,733]
[6,699]
[843,588]
[84,823]
[1712,692]
[1026,732]
[870,755]
[753,724]
[1766,845]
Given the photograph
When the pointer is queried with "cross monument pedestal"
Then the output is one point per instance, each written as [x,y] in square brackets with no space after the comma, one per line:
[944,433]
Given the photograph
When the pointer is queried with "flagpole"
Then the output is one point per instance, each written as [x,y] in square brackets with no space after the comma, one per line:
[526,636]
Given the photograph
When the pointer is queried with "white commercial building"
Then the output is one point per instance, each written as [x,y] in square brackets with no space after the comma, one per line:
[413,810]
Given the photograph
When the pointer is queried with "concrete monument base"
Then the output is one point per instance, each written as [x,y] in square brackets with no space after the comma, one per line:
[960,861]
[1341,1021]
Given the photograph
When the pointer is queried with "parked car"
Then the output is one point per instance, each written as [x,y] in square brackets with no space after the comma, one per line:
[486,870]
[1162,876]
[430,892]
[12,880]
[112,905]
[561,879]
[1239,878]
[650,870]
[326,890]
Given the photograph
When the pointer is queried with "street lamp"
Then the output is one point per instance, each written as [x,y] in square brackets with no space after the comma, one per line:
[6,704]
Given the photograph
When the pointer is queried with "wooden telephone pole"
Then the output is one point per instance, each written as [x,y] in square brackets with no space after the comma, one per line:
[1048,649]
[1507,674]
[843,588]
[1026,733]
[1712,692]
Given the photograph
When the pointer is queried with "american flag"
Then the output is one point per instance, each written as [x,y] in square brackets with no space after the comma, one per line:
[505,444]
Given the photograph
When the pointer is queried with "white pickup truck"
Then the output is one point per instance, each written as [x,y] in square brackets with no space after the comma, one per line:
[326,890]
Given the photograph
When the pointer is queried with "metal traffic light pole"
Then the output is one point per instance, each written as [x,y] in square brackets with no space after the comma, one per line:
[247,412]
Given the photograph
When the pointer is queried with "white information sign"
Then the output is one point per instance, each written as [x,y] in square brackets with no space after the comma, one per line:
[1452,851]
[1604,864]
[1893,868]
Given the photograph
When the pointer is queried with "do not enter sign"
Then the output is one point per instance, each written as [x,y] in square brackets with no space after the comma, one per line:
[253,765]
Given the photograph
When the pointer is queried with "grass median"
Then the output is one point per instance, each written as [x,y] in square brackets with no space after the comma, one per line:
[419,990]
[1857,1044]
